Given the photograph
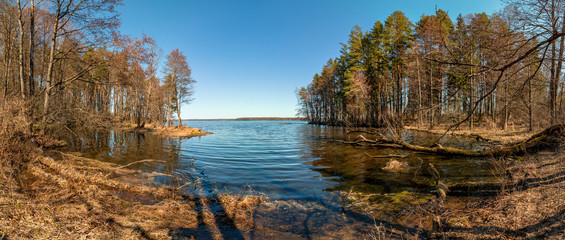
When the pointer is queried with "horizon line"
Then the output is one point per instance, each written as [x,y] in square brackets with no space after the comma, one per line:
[245,119]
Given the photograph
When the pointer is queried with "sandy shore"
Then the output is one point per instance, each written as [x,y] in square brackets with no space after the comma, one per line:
[172,131]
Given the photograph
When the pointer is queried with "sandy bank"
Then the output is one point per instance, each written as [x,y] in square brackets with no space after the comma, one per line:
[173,131]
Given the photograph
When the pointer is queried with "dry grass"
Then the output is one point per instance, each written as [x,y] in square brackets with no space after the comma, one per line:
[396,166]
[70,197]
[510,135]
[240,208]
[532,205]
[55,195]
[172,132]
[14,130]
[55,200]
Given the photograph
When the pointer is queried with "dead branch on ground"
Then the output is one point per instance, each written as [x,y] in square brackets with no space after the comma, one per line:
[549,138]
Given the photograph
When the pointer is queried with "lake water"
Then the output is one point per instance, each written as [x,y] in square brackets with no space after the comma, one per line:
[281,160]
[316,186]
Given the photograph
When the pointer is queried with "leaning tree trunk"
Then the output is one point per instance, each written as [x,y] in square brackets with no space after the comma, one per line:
[549,138]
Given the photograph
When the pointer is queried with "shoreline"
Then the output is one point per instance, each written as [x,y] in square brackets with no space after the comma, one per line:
[491,135]
[530,206]
[89,197]
[247,119]
[63,195]
[170,131]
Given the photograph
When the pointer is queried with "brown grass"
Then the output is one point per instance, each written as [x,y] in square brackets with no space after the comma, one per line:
[14,130]
[172,131]
[531,206]
[55,195]
[71,198]
[56,200]
[240,208]
[510,135]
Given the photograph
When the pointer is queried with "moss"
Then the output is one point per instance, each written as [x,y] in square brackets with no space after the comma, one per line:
[458,222]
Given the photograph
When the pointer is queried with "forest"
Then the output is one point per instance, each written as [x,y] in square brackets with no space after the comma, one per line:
[64,63]
[490,70]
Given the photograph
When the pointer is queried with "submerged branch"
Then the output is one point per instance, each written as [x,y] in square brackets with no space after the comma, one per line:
[141,161]
[386,156]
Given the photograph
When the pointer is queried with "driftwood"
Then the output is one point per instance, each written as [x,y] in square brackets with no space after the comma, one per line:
[549,138]
[386,156]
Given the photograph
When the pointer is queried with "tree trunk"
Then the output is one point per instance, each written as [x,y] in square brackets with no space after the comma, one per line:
[420,116]
[471,102]
[21,49]
[178,112]
[560,62]
[505,116]
[169,109]
[31,84]
[550,138]
[530,107]
[552,84]
[51,63]
[431,100]
[31,48]
[8,61]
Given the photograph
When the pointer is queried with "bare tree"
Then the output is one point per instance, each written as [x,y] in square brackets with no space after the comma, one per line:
[544,19]
[88,20]
[179,82]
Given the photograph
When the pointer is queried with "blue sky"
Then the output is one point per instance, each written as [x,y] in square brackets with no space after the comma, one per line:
[248,57]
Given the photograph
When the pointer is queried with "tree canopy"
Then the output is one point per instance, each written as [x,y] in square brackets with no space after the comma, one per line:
[68,63]
[493,70]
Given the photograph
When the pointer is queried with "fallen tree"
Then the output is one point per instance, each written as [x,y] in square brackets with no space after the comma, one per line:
[550,138]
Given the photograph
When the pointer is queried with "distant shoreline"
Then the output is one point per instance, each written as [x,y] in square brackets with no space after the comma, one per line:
[249,119]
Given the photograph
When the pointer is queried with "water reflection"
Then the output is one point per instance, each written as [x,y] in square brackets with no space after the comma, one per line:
[356,167]
[283,160]
[126,147]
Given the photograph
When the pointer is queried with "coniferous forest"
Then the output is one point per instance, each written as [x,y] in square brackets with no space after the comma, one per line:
[495,70]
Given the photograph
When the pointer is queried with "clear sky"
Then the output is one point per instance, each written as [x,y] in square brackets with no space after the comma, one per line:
[249,56]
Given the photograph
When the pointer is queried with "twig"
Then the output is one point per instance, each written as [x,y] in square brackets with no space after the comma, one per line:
[8,204]
[386,156]
[184,185]
[71,131]
[141,161]
[363,131]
